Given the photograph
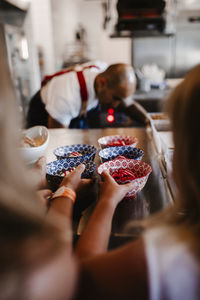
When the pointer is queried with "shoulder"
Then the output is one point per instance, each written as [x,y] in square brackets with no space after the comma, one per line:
[118,274]
[168,241]
[162,235]
[158,240]
[101,65]
[172,266]
[48,281]
[98,65]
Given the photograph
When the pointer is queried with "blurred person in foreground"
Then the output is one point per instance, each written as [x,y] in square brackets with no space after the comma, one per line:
[164,263]
[73,97]
[36,257]
[34,247]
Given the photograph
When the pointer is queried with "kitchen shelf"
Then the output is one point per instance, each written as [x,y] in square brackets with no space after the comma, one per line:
[11,14]
[140,34]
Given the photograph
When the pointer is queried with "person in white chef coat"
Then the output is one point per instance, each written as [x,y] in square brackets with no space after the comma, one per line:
[72,97]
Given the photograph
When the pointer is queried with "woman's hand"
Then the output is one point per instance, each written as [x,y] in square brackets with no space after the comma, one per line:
[40,168]
[73,180]
[44,196]
[110,190]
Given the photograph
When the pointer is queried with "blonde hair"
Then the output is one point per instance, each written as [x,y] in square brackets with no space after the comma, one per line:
[184,111]
[183,107]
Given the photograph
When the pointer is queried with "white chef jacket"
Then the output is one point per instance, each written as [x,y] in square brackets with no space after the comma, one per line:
[173,271]
[61,95]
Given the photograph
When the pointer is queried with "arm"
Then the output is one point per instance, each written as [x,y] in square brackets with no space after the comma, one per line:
[138,112]
[52,123]
[44,195]
[135,111]
[118,274]
[95,237]
[63,205]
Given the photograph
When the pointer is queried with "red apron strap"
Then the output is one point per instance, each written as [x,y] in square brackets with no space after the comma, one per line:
[83,87]
[83,92]
[49,77]
[91,66]
[82,84]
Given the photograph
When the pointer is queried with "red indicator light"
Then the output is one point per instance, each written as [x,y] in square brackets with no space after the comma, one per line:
[110,118]
[111,111]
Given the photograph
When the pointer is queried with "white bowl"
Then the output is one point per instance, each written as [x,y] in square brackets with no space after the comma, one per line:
[32,154]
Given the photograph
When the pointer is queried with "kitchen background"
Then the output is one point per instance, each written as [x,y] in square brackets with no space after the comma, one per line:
[43,36]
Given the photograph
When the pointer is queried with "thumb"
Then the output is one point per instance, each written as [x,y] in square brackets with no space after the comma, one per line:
[79,169]
[129,186]
[105,175]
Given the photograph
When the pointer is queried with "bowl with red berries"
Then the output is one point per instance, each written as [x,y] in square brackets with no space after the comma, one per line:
[117,140]
[76,153]
[125,170]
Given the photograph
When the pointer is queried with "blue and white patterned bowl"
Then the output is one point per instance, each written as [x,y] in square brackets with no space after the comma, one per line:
[87,152]
[128,151]
[55,171]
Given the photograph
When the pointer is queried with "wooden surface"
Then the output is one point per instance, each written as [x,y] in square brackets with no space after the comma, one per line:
[61,137]
[152,198]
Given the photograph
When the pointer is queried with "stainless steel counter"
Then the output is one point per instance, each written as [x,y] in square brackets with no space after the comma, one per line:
[154,196]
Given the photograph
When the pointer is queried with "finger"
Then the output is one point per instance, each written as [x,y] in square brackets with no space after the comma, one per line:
[79,169]
[46,192]
[40,168]
[129,186]
[44,195]
[76,172]
[107,177]
[41,162]
[104,175]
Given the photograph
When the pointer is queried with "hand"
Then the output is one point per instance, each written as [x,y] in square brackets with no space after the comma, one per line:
[40,168]
[110,190]
[73,179]
[84,186]
[44,196]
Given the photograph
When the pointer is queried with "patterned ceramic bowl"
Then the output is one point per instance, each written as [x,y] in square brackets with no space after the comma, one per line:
[117,140]
[128,151]
[76,153]
[140,169]
[56,170]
